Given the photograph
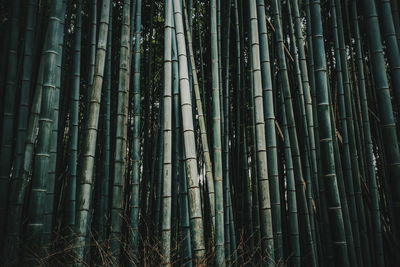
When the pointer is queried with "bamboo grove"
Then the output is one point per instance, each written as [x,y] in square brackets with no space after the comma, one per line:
[194,132]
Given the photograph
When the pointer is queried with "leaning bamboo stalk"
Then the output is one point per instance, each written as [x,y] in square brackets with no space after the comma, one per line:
[202,124]
[184,221]
[196,218]
[104,206]
[297,162]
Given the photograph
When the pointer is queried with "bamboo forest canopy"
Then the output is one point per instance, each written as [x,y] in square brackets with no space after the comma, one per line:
[200,133]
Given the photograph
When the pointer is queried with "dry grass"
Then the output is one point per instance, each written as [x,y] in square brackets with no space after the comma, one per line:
[61,252]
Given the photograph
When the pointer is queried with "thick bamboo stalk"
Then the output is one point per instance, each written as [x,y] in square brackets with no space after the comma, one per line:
[202,125]
[8,112]
[51,52]
[167,135]
[325,135]
[376,213]
[86,167]
[387,121]
[196,218]
[260,146]
[184,221]
[269,117]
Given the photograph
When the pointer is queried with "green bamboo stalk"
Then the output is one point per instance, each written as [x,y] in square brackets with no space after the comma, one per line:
[327,248]
[52,163]
[74,132]
[86,168]
[217,142]
[376,213]
[196,218]
[232,226]
[23,115]
[353,146]
[36,225]
[158,173]
[301,99]
[307,95]
[26,83]
[354,250]
[241,155]
[136,149]
[176,160]
[202,124]
[343,199]
[293,232]
[325,135]
[300,179]
[120,156]
[183,191]
[387,122]
[103,215]
[167,135]
[345,135]
[12,236]
[253,179]
[22,181]
[93,39]
[392,46]
[247,214]
[225,128]
[272,156]
[263,179]
[8,115]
